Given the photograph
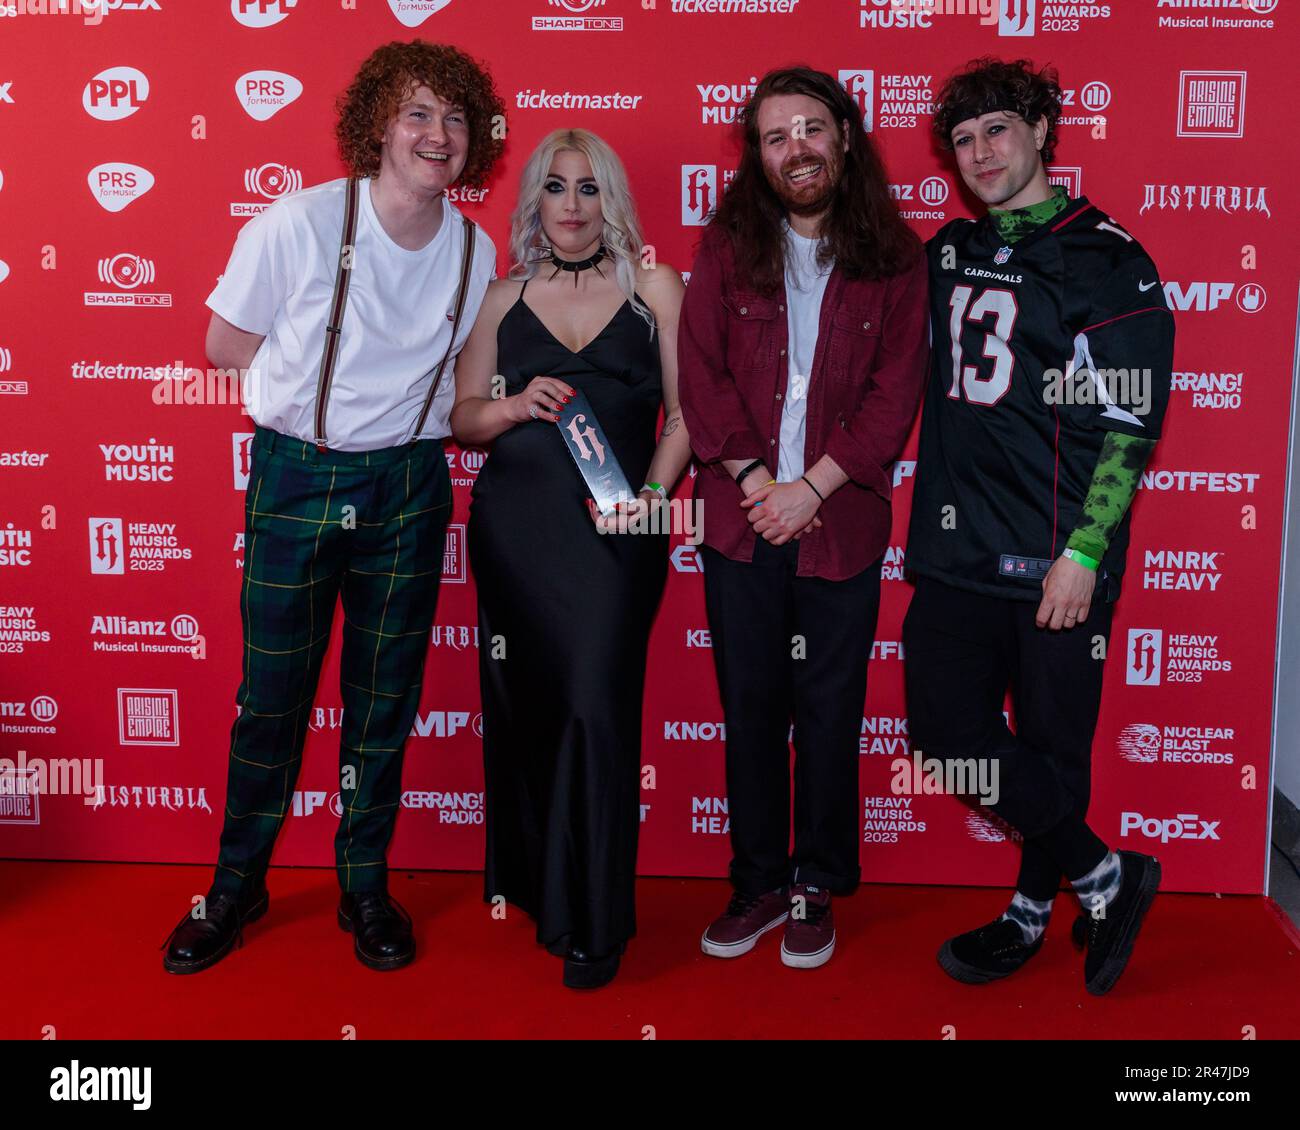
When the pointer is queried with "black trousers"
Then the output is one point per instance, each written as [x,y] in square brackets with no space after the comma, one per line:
[963,650]
[791,648]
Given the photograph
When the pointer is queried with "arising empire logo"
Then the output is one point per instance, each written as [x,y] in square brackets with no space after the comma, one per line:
[147,717]
[454,556]
[1211,103]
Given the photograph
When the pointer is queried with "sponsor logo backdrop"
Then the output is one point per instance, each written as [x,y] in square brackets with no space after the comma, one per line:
[138,143]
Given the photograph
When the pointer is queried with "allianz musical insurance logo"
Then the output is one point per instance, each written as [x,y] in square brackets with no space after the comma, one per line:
[127,273]
[269,181]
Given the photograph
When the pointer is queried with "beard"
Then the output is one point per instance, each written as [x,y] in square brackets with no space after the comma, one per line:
[811,199]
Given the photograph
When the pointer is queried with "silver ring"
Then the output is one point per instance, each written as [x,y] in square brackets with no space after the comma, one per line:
[532,411]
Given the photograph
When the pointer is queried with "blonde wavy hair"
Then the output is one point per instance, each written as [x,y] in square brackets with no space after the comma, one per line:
[621,233]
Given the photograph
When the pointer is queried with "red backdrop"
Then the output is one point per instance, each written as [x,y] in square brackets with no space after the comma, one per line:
[134,146]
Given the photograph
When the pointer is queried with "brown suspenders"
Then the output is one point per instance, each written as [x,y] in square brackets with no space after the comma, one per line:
[334,326]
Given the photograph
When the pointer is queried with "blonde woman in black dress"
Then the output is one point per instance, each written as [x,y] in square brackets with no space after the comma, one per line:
[567,597]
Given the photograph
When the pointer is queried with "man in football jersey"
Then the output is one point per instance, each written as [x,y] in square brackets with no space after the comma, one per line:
[1052,351]
[348,493]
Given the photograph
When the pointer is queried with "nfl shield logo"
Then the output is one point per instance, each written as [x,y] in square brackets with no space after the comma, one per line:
[1004,253]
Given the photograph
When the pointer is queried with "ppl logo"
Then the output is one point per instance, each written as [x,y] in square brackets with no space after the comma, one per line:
[147,717]
[115,94]
[861,87]
[1017,17]
[1145,652]
[272,180]
[263,94]
[116,185]
[1211,103]
[261,13]
[699,194]
[412,13]
[106,546]
[241,445]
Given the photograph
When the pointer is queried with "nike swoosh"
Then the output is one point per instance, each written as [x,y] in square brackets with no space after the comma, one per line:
[1145,286]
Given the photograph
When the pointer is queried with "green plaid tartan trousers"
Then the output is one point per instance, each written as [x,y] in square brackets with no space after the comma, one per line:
[369,527]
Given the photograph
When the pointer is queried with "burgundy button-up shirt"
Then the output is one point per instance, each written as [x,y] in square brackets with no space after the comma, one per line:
[869,369]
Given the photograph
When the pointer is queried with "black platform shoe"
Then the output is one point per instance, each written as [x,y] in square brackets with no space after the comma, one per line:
[585,971]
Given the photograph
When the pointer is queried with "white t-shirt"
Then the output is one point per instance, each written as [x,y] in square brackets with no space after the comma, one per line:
[280,283]
[805,284]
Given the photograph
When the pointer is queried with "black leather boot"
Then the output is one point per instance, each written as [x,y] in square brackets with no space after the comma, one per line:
[197,943]
[380,929]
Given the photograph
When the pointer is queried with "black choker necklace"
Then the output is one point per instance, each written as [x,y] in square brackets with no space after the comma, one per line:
[576,265]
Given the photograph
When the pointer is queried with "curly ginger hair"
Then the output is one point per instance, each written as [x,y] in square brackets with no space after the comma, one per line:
[389,76]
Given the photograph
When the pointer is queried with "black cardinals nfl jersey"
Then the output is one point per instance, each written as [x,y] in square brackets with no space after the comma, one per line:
[1039,348]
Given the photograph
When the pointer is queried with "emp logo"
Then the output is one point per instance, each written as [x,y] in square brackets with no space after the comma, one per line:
[261,13]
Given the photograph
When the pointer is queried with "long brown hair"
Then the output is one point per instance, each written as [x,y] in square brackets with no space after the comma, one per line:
[862,232]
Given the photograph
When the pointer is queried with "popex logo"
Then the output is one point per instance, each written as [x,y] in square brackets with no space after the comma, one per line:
[115,185]
[115,94]
[1184,826]
[263,94]
[261,13]
[412,13]
[1211,103]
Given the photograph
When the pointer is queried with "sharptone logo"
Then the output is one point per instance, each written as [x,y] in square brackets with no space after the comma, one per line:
[412,13]
[116,185]
[263,94]
[261,13]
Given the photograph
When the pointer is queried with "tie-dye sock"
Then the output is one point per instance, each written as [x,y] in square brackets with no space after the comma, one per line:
[1030,915]
[1099,887]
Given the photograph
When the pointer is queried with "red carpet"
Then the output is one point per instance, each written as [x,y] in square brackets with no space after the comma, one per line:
[79,945]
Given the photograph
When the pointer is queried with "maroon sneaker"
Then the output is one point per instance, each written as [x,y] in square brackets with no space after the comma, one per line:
[809,936]
[746,919]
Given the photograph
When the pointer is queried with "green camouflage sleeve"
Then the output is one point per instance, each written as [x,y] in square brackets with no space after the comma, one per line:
[1114,483]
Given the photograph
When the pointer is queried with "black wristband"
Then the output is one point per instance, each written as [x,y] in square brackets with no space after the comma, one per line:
[814,489]
[747,469]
